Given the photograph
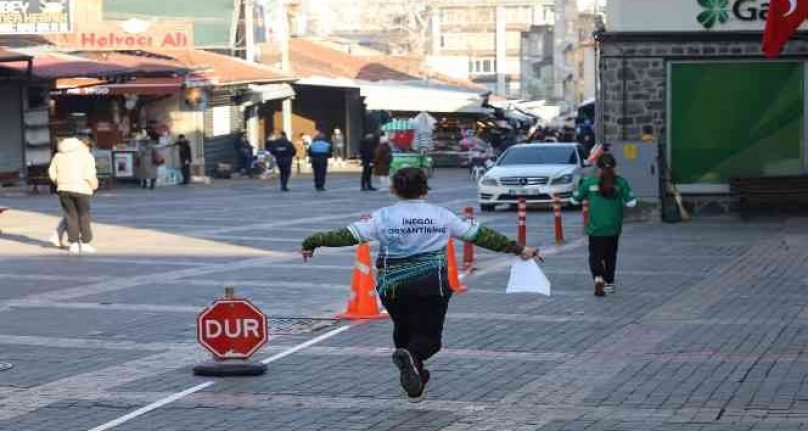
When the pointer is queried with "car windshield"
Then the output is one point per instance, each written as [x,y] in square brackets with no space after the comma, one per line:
[539,155]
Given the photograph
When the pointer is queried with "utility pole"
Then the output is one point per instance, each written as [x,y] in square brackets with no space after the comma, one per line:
[249,31]
[286,66]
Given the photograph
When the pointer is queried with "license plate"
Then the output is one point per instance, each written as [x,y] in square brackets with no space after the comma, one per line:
[524,192]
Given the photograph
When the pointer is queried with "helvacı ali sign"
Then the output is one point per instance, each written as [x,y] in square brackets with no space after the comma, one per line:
[35,16]
[134,34]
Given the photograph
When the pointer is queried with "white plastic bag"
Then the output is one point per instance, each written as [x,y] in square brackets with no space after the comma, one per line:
[527,277]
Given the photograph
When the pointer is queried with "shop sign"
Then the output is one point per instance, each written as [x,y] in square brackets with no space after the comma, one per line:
[719,12]
[133,34]
[35,16]
[688,15]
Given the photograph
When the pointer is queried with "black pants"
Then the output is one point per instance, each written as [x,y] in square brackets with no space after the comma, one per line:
[77,211]
[418,311]
[285,168]
[148,183]
[367,175]
[603,256]
[320,165]
[186,173]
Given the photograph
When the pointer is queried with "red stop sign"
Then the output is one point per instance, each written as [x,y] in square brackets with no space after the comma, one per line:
[232,328]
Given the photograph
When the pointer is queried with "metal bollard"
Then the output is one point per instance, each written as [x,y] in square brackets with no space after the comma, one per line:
[559,229]
[468,248]
[521,232]
[585,213]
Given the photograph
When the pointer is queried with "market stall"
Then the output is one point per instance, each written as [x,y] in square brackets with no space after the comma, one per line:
[411,140]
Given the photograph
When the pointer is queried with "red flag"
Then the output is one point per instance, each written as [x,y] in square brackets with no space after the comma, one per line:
[784,18]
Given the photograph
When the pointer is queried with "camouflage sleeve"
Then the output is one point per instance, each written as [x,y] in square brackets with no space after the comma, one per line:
[495,241]
[335,238]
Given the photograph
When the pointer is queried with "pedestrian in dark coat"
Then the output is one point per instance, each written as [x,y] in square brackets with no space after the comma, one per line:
[284,152]
[367,152]
[185,158]
[382,159]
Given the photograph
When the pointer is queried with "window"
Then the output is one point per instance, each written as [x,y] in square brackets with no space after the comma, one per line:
[539,155]
[487,66]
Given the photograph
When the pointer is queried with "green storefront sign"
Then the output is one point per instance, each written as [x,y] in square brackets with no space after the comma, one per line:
[212,19]
[736,119]
[716,12]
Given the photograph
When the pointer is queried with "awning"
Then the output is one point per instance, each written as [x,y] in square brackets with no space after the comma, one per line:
[320,81]
[273,91]
[141,86]
[8,56]
[54,65]
[418,99]
[225,70]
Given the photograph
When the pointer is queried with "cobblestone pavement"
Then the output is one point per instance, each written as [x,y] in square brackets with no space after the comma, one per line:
[708,330]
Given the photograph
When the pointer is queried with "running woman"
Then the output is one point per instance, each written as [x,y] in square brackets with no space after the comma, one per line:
[412,278]
[607,193]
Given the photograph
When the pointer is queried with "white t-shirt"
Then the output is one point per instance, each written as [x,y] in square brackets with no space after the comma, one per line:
[413,227]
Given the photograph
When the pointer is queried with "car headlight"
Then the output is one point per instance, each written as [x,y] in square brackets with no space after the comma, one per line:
[488,181]
[564,179]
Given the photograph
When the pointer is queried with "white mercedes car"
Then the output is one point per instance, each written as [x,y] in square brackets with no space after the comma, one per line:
[535,171]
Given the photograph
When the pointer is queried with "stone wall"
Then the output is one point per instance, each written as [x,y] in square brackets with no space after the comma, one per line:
[634,78]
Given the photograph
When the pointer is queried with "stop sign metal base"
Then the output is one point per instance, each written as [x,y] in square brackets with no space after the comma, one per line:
[230,368]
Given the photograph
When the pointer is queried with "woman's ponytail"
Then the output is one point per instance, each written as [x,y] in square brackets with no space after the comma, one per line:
[608,176]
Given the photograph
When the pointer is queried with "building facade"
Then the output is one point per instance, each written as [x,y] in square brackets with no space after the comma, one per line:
[477,40]
[482,40]
[693,80]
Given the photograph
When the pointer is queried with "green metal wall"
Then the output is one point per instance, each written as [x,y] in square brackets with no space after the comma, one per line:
[736,119]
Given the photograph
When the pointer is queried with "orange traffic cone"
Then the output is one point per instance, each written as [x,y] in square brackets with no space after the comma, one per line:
[454,277]
[362,304]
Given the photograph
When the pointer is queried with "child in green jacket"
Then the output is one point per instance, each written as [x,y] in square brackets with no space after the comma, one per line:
[607,193]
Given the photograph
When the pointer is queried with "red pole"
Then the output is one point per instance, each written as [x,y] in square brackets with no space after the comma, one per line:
[585,213]
[521,232]
[468,248]
[559,230]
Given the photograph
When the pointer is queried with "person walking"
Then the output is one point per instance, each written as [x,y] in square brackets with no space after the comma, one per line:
[58,238]
[244,154]
[149,158]
[320,151]
[73,171]
[338,139]
[412,277]
[367,152]
[607,194]
[185,158]
[284,152]
[382,159]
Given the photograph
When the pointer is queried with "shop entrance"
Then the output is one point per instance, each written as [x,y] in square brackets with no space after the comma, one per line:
[735,120]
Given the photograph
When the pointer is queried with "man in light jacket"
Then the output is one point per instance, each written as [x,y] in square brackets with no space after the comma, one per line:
[73,171]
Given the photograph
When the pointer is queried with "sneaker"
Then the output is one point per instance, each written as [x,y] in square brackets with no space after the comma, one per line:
[372,189]
[56,241]
[74,249]
[424,381]
[410,379]
[609,288]
[599,284]
[88,249]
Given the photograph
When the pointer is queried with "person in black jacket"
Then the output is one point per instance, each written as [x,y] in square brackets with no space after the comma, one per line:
[367,150]
[185,158]
[284,152]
